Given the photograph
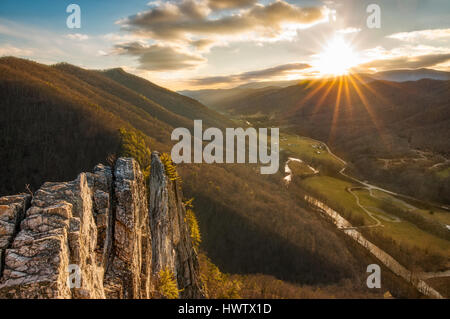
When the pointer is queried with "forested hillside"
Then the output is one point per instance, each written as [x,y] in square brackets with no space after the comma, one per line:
[176,103]
[60,120]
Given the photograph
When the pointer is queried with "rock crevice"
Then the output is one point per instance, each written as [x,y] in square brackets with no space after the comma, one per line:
[172,244]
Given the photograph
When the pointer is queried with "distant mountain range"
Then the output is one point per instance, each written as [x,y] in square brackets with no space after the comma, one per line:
[211,96]
[411,75]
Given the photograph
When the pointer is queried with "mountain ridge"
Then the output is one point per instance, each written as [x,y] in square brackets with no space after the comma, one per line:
[57,124]
[210,96]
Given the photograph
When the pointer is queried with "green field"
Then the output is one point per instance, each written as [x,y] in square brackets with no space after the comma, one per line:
[404,233]
[373,205]
[336,192]
[444,173]
[439,215]
[300,169]
[307,150]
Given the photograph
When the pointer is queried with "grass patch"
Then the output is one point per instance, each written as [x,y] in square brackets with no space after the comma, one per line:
[444,173]
[338,198]
[310,151]
[404,233]
[431,213]
[300,169]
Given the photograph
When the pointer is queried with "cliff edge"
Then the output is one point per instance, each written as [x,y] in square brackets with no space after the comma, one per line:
[104,235]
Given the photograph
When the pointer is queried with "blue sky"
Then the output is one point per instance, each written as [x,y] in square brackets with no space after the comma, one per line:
[98,16]
[211,43]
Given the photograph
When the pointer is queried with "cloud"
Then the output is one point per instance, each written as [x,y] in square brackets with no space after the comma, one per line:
[274,71]
[77,36]
[380,52]
[348,30]
[175,35]
[102,53]
[406,62]
[264,74]
[203,44]
[51,46]
[414,36]
[12,50]
[179,21]
[158,57]
[230,4]
[123,37]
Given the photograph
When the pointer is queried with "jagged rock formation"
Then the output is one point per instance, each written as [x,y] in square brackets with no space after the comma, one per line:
[12,211]
[97,237]
[172,244]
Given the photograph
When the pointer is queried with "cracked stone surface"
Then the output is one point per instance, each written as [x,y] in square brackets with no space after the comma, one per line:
[97,237]
[12,211]
[171,241]
[129,274]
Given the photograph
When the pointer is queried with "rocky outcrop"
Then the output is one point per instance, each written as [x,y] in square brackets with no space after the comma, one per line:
[97,237]
[172,245]
[128,273]
[57,231]
[12,211]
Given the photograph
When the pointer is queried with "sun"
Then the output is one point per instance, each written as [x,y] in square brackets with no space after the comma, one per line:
[337,58]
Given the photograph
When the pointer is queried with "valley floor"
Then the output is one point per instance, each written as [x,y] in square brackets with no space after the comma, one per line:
[415,235]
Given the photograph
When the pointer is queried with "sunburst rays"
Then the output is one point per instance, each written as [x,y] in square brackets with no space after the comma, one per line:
[349,91]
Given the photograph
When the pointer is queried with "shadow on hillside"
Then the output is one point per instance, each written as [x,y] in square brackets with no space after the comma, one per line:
[243,248]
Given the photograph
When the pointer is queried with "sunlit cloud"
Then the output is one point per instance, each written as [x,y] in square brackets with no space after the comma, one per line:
[188,18]
[409,56]
[160,58]
[405,62]
[7,49]
[348,30]
[379,52]
[202,45]
[230,4]
[178,35]
[263,74]
[414,36]
[123,37]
